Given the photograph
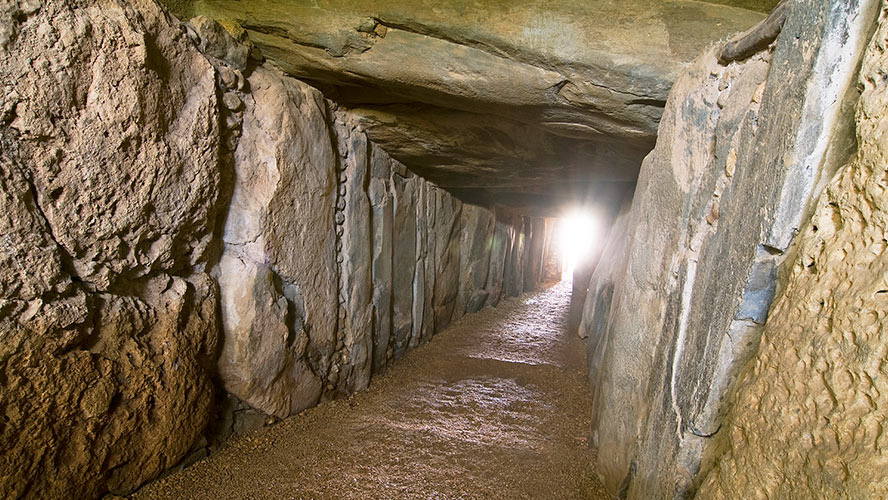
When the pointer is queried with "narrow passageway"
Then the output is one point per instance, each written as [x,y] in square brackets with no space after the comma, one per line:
[221,215]
[496,406]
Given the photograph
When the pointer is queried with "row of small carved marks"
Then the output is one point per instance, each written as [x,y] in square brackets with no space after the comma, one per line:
[340,356]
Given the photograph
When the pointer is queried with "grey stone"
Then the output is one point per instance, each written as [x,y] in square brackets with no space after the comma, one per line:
[277,275]
[403,261]
[500,239]
[446,231]
[426,204]
[475,251]
[381,219]
[697,281]
[356,279]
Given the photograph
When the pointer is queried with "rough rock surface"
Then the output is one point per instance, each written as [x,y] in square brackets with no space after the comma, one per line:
[109,181]
[159,200]
[487,97]
[743,151]
[356,287]
[807,415]
[277,278]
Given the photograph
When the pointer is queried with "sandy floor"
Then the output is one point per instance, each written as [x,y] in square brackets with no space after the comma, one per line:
[496,406]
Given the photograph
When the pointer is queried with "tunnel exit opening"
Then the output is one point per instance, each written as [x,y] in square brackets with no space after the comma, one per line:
[578,235]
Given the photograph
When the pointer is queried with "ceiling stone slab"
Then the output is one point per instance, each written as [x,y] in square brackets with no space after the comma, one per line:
[483,94]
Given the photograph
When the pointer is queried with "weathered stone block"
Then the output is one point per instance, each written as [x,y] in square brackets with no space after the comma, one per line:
[741,151]
[277,274]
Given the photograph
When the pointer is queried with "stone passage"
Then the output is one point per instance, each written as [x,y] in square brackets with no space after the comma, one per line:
[217,214]
[496,406]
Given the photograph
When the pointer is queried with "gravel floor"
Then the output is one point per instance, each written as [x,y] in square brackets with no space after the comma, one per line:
[496,406]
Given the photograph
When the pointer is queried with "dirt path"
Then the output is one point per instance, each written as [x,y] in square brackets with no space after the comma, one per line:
[494,407]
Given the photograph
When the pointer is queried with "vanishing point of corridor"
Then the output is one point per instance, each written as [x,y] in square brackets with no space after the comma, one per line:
[496,406]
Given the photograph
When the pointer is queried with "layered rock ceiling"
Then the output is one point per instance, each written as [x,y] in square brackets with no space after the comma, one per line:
[528,104]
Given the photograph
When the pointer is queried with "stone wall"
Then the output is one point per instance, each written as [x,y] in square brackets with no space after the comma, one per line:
[596,311]
[807,414]
[677,305]
[111,183]
[182,218]
[342,252]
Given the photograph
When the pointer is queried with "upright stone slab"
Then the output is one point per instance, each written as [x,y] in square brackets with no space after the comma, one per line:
[513,244]
[356,280]
[499,246]
[382,227]
[807,412]
[447,226]
[403,259]
[595,322]
[278,274]
[742,151]
[426,232]
[540,233]
[420,286]
[475,253]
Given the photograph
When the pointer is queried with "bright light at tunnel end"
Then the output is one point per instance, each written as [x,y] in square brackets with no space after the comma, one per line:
[577,238]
